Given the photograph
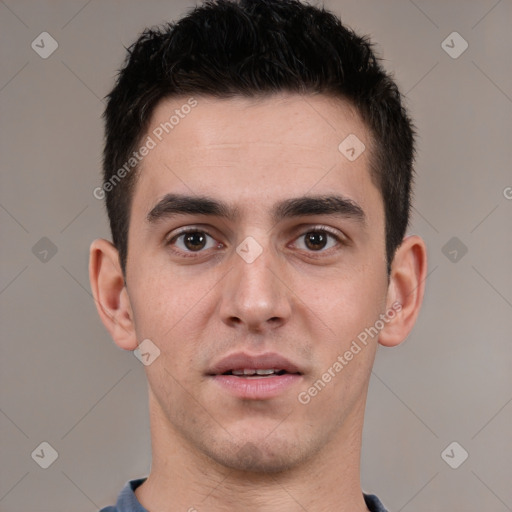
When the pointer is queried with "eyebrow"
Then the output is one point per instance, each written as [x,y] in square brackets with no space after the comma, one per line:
[336,205]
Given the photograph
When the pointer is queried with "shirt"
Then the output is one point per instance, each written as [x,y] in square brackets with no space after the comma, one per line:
[128,502]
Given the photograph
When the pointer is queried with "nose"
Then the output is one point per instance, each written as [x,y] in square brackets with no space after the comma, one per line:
[255,296]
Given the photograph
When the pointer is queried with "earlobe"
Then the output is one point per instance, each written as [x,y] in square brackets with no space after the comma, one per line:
[110,295]
[405,291]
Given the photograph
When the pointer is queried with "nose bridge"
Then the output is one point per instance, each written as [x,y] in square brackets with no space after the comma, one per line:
[253,293]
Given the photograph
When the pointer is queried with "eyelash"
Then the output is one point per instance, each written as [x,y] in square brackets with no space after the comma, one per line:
[315,229]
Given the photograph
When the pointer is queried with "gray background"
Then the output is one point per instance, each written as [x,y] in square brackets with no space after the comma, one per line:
[63,380]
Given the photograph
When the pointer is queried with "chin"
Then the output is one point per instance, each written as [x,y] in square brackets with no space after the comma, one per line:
[258,456]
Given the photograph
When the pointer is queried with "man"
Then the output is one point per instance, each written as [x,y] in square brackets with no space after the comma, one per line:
[257,174]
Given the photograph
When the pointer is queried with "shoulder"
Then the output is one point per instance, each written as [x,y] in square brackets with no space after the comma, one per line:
[127,501]
[373,503]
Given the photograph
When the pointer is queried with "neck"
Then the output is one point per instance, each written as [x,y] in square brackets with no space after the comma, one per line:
[184,479]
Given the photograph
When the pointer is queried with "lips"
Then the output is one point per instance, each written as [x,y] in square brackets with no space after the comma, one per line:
[259,377]
[245,365]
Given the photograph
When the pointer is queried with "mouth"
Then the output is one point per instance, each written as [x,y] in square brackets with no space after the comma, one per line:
[257,373]
[256,377]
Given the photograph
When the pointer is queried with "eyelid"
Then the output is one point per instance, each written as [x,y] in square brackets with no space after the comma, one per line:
[302,230]
[170,243]
[339,235]
[187,229]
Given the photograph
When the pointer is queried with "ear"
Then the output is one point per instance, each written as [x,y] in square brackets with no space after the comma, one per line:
[405,290]
[109,291]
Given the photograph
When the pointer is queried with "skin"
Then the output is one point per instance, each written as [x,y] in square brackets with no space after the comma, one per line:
[213,451]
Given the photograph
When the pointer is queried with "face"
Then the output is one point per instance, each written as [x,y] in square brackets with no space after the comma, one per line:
[282,266]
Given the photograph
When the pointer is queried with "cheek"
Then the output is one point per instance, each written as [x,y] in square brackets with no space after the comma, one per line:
[356,312]
[348,301]
[159,304]
[173,312]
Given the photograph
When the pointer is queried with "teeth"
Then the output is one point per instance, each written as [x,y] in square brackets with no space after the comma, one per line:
[265,372]
[251,371]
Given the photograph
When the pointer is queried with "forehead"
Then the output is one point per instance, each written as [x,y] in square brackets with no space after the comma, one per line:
[250,151]
[299,124]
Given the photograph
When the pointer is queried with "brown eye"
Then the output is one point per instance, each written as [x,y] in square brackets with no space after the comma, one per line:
[318,240]
[194,241]
[315,240]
